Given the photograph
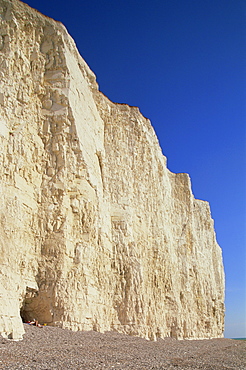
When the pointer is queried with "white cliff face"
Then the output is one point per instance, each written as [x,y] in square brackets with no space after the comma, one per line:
[95,231]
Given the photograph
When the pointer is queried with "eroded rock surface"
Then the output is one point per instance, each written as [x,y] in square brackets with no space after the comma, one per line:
[95,231]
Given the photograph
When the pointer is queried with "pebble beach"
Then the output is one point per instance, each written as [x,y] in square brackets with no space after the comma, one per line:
[54,348]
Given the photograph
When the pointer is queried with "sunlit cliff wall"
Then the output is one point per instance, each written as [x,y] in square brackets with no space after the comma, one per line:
[95,231]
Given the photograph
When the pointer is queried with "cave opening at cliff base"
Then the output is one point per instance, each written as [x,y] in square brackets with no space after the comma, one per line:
[33,308]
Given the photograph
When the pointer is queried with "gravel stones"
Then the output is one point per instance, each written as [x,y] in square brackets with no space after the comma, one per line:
[54,348]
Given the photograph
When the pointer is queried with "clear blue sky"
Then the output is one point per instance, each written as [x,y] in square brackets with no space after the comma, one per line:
[182,62]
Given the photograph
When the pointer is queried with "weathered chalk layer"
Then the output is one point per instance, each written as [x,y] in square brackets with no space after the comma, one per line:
[95,231]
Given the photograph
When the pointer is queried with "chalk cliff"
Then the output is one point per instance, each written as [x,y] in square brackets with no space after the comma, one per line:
[95,231]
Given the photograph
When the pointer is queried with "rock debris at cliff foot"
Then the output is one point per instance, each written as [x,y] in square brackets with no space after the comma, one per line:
[95,232]
[55,348]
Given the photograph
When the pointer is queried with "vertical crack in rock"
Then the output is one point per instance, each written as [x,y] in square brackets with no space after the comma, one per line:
[96,232]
